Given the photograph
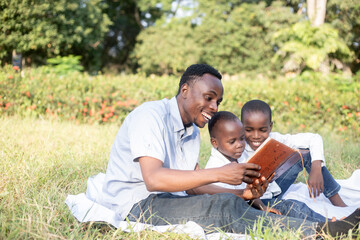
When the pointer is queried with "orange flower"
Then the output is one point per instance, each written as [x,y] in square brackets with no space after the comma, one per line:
[10,77]
[296,98]
[104,119]
[302,125]
[28,94]
[286,103]
[358,114]
[349,115]
[16,68]
[345,107]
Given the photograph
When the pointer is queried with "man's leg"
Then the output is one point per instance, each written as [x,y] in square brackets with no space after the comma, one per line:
[294,208]
[225,211]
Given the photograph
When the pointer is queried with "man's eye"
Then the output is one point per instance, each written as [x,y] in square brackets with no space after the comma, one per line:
[218,103]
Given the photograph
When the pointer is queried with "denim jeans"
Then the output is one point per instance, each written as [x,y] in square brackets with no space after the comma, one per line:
[331,187]
[294,208]
[223,211]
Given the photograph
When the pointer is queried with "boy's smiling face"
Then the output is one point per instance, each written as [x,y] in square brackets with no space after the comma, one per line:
[229,139]
[257,128]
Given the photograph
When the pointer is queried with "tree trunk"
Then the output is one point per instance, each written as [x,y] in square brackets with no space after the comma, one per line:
[316,10]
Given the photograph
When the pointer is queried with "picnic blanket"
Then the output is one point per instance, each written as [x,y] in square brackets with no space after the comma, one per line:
[86,209]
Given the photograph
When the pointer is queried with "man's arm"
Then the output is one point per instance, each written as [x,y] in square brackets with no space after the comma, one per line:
[158,178]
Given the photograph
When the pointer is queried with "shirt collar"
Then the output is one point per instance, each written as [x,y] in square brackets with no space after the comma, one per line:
[219,155]
[176,119]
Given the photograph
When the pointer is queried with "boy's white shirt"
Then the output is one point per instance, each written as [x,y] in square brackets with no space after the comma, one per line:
[311,141]
[217,159]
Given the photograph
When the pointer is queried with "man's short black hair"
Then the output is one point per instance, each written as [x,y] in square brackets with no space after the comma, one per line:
[195,71]
[218,117]
[255,106]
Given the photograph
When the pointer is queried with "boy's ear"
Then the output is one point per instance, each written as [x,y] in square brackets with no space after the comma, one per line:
[213,142]
[271,125]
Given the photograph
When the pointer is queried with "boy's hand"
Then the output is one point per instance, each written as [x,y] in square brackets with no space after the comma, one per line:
[272,210]
[316,180]
[256,189]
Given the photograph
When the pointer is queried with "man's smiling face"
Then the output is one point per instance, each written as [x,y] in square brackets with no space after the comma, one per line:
[201,99]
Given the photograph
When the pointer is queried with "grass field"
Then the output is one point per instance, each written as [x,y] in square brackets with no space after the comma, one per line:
[43,161]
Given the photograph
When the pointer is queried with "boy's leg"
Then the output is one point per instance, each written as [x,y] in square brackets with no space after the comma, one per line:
[225,211]
[289,177]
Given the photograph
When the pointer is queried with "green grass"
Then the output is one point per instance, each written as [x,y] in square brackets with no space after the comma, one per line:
[43,161]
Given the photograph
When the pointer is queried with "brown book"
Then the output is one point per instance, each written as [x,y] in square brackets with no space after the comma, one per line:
[274,156]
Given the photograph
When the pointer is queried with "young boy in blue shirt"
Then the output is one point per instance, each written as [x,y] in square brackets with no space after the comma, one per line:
[257,121]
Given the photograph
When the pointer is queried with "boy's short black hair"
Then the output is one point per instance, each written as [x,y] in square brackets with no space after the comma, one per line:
[255,106]
[197,70]
[220,116]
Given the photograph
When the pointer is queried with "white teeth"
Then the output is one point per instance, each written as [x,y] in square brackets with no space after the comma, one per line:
[207,116]
[256,144]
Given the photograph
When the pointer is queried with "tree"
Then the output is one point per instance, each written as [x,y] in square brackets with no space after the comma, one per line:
[316,10]
[40,29]
[233,36]
[129,18]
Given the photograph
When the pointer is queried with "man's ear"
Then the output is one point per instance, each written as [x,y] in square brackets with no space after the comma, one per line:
[184,90]
[213,142]
[271,125]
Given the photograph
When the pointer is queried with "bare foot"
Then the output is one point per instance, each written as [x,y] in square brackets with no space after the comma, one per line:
[336,200]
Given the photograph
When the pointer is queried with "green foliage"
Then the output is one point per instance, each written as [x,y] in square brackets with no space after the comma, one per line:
[65,65]
[41,29]
[311,101]
[169,48]
[231,36]
[344,16]
[308,46]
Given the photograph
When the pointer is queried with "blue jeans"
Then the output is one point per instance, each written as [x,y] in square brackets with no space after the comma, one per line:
[331,187]
[223,211]
[294,208]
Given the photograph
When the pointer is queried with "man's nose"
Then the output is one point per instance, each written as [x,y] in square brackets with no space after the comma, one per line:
[214,106]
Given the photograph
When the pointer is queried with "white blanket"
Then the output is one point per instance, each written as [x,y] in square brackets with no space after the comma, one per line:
[85,209]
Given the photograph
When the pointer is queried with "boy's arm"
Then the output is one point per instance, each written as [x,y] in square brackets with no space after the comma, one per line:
[257,203]
[316,180]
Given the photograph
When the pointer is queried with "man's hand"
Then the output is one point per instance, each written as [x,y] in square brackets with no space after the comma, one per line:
[236,173]
[316,180]
[256,189]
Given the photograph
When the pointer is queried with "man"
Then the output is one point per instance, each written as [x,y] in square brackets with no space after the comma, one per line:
[153,174]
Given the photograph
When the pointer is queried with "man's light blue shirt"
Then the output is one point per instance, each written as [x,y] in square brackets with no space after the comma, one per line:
[154,129]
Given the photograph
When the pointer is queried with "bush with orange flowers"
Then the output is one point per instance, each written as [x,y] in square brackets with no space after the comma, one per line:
[309,102]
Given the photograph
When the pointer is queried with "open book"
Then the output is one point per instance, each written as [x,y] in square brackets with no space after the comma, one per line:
[274,156]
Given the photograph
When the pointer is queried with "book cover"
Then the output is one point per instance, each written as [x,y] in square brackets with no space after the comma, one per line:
[274,156]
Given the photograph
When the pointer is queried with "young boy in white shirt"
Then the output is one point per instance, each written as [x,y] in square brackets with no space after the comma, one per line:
[256,118]
[227,136]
